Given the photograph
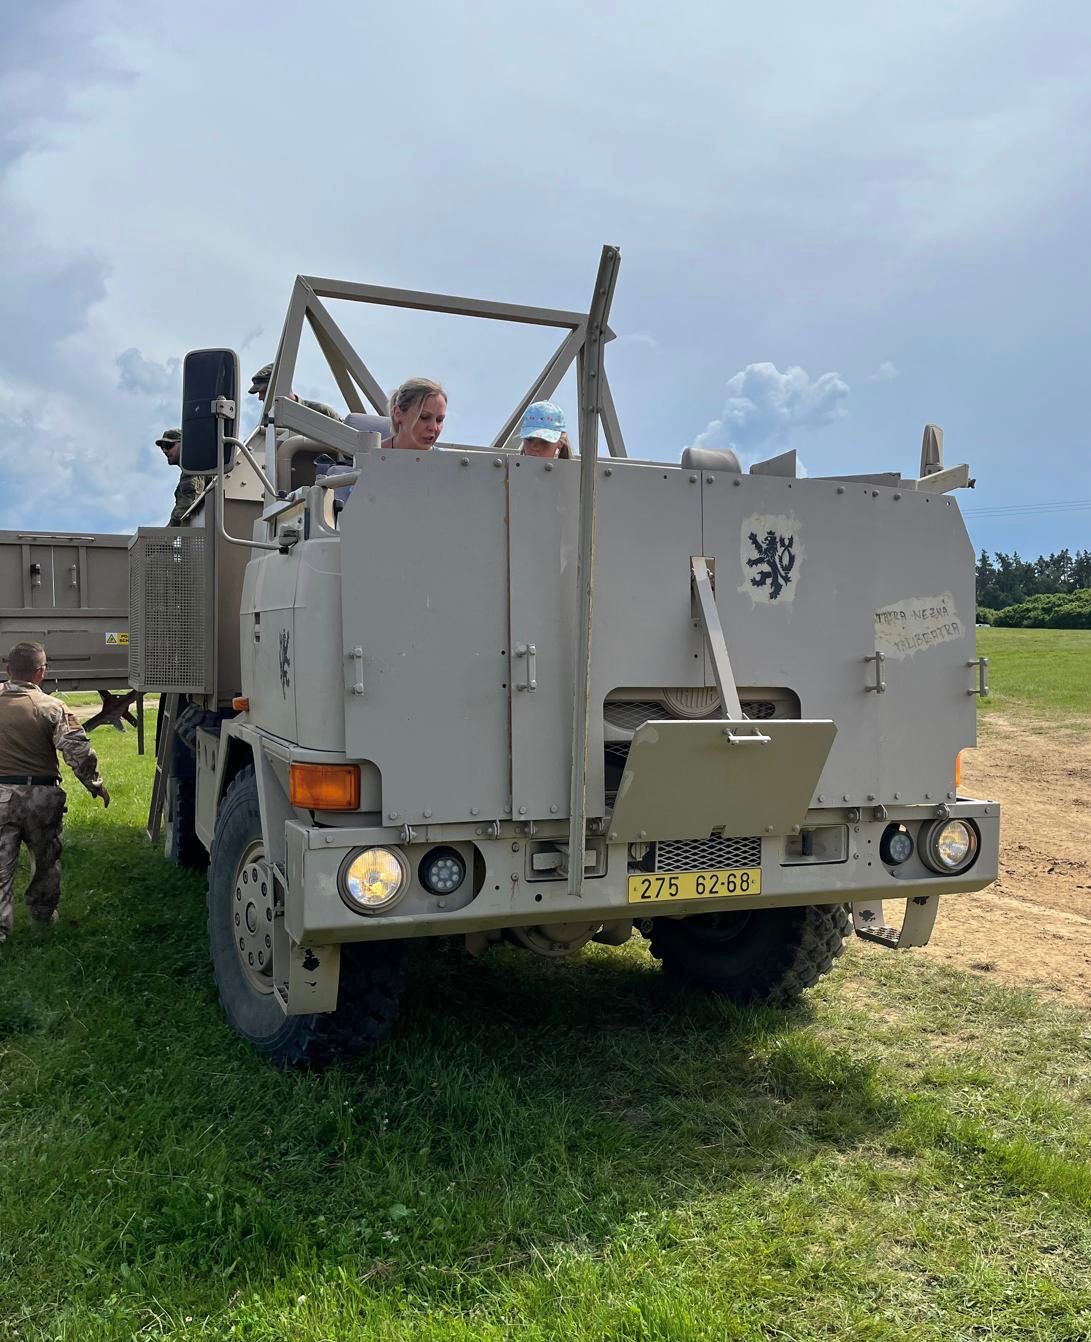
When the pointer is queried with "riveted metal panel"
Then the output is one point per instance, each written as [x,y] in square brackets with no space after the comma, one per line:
[648,526]
[543,508]
[424,596]
[925,613]
[816,576]
[795,583]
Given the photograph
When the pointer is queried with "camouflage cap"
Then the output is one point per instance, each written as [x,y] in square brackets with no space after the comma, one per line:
[260,380]
[170,436]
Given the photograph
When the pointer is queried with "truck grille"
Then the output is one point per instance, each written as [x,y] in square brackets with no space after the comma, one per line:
[707,854]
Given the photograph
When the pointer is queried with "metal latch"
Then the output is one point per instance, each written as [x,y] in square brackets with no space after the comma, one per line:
[880,684]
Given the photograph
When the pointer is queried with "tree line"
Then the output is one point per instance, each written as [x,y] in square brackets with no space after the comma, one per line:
[1007,580]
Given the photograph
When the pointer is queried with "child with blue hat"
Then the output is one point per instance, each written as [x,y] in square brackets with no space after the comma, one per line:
[543,432]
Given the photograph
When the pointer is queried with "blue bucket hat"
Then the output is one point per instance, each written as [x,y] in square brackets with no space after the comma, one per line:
[543,420]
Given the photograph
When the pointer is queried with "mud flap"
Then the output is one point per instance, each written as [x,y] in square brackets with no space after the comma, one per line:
[684,780]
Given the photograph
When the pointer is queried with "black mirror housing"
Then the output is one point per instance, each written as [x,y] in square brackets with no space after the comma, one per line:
[207,376]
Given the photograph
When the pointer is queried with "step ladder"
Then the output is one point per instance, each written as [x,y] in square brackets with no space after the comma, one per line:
[164,754]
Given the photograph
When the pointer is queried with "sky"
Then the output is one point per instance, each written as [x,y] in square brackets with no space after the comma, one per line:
[837,223]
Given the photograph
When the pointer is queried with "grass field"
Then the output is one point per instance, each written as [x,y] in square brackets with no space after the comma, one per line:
[1043,672]
[574,1151]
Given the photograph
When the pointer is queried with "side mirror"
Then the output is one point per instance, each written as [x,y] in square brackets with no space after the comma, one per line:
[207,374]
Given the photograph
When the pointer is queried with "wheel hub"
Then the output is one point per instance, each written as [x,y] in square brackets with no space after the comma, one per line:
[252,918]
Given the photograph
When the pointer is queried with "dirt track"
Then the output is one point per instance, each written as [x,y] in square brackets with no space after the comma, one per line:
[1033,927]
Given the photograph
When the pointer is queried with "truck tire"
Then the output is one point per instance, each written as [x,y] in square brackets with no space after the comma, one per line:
[180,842]
[752,956]
[371,972]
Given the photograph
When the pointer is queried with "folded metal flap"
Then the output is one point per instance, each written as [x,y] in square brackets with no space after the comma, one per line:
[683,780]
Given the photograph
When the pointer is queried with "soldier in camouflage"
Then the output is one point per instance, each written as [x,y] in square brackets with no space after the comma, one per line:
[33,727]
[259,386]
[190,487]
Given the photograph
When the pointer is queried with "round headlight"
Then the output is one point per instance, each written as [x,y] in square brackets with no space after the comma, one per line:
[896,845]
[442,871]
[372,879]
[949,846]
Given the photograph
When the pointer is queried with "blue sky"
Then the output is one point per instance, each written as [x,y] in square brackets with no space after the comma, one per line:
[837,223]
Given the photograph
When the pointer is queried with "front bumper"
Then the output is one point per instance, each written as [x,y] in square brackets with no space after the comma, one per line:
[505,887]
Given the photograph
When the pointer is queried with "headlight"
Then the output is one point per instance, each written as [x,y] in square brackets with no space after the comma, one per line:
[896,845]
[949,846]
[372,879]
[442,871]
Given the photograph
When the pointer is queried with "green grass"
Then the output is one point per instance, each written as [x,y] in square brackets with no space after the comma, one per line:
[574,1151]
[1043,672]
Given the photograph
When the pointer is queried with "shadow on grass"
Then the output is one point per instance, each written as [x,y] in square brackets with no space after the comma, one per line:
[522,1104]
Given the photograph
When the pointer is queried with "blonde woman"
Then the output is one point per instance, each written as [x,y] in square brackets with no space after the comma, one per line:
[543,432]
[418,409]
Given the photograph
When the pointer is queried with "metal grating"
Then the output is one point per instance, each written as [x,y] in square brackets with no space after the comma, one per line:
[707,854]
[169,626]
[629,714]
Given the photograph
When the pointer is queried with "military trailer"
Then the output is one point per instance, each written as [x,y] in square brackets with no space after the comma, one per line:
[69,592]
[470,693]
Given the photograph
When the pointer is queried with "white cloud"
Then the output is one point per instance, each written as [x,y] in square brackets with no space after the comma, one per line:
[886,372]
[148,378]
[764,408]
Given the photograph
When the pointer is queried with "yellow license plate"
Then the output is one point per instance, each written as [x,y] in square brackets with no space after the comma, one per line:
[665,887]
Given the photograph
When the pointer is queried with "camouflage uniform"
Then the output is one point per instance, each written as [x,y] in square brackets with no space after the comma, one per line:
[33,727]
[259,384]
[189,488]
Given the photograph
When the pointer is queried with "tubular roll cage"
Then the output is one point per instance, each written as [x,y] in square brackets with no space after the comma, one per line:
[584,342]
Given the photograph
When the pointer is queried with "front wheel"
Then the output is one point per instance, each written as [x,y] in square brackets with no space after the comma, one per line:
[753,955]
[240,935]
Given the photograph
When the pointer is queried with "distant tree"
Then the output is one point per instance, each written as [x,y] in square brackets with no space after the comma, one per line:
[1006,580]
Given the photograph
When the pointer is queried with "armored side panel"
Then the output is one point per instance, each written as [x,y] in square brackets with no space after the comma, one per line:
[813,578]
[425,600]
[69,593]
[835,597]
[649,525]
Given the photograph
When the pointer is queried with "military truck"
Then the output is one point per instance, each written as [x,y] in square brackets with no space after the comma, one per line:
[467,693]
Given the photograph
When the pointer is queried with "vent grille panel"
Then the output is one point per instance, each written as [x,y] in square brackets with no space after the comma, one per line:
[707,854]
[169,625]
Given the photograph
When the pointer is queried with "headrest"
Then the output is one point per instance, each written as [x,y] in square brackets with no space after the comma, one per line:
[709,459]
[379,424]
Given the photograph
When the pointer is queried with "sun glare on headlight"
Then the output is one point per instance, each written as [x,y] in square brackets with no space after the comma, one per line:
[949,846]
[372,879]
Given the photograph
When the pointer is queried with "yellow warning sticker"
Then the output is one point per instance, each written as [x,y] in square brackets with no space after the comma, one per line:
[117,640]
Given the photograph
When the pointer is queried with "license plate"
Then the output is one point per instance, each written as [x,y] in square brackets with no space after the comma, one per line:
[664,887]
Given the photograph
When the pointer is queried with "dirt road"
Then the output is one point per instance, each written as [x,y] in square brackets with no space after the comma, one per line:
[1033,928]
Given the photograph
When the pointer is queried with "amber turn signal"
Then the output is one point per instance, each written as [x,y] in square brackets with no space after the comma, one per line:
[958,770]
[240,703]
[325,787]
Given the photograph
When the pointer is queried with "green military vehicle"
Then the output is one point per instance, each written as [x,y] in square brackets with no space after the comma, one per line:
[470,693]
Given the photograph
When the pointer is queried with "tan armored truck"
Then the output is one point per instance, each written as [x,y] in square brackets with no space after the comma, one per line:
[469,693]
